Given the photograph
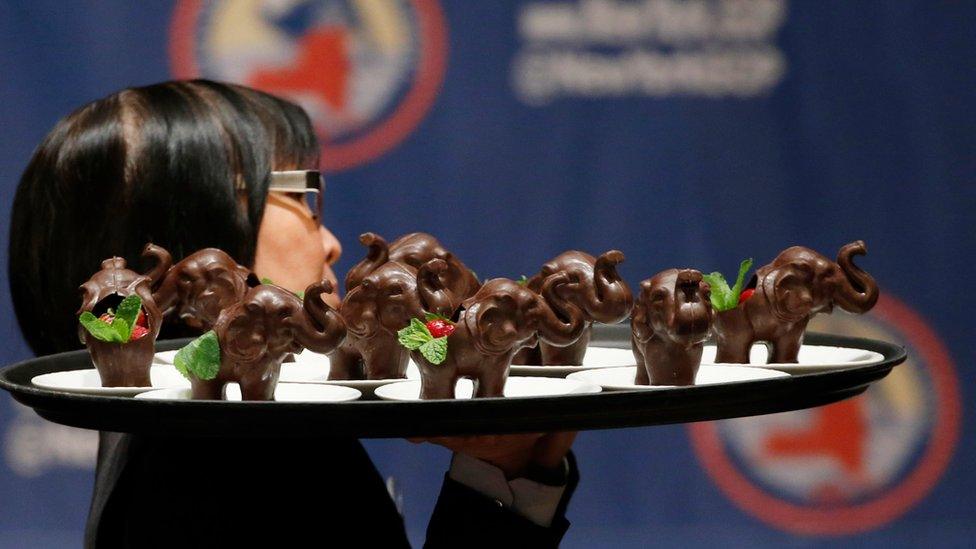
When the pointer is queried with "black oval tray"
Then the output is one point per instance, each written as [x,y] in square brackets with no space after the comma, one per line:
[377,419]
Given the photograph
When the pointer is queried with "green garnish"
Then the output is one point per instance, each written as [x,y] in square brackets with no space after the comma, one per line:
[416,337]
[201,357]
[268,281]
[123,320]
[434,316]
[522,281]
[723,297]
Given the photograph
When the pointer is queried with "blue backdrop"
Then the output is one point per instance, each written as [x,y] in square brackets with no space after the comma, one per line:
[685,133]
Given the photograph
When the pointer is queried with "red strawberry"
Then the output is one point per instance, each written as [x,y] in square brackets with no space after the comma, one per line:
[440,328]
[106,318]
[138,331]
[141,319]
[746,294]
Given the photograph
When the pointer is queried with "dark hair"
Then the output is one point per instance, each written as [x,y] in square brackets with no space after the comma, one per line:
[183,164]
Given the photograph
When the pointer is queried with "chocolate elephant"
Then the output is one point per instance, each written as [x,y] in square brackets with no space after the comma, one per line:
[798,284]
[601,294]
[258,331]
[413,250]
[381,304]
[669,324]
[121,364]
[501,318]
[199,286]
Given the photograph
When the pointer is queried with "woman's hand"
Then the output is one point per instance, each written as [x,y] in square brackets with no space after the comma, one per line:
[513,454]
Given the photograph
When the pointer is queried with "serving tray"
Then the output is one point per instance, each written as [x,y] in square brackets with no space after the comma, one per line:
[380,419]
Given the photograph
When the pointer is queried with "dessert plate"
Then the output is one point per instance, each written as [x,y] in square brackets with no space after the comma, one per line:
[310,367]
[622,379]
[812,358]
[595,357]
[514,387]
[284,392]
[89,383]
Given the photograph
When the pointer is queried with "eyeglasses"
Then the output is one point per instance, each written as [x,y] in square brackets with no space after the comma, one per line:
[308,183]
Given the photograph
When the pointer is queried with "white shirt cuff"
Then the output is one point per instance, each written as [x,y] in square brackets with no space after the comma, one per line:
[535,501]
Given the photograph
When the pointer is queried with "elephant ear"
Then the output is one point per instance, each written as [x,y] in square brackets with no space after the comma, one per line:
[491,325]
[242,336]
[787,289]
[639,321]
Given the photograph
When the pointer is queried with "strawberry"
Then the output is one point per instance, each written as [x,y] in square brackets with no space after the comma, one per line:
[746,294]
[440,328]
[141,319]
[137,332]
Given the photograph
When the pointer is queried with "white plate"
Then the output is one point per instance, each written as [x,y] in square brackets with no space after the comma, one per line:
[312,367]
[515,387]
[812,358]
[284,392]
[88,382]
[595,357]
[622,379]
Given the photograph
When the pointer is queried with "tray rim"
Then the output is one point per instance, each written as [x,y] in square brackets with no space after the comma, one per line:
[449,417]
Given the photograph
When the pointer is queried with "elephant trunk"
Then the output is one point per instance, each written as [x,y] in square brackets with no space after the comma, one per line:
[163,262]
[561,322]
[692,314]
[859,291]
[378,253]
[320,329]
[434,296]
[608,299]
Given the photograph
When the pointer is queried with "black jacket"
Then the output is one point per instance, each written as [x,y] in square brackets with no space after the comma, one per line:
[210,492]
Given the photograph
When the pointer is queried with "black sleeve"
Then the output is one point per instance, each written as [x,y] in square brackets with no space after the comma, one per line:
[465,518]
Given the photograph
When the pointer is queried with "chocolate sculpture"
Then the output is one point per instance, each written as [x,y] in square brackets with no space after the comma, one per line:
[382,303]
[798,284]
[600,293]
[198,287]
[124,364]
[256,333]
[413,250]
[501,318]
[669,325]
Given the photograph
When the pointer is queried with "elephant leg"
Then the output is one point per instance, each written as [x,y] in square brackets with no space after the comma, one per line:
[211,389]
[642,377]
[440,386]
[570,355]
[491,383]
[785,350]
[345,363]
[258,389]
[734,350]
[385,359]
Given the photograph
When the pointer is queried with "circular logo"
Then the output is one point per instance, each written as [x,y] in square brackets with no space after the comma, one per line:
[366,71]
[853,465]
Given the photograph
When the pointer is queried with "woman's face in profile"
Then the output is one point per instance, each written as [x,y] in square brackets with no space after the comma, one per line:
[293,248]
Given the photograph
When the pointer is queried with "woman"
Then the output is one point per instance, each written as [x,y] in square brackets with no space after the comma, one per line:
[187,165]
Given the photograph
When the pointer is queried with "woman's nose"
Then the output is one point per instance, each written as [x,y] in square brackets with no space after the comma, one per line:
[333,249]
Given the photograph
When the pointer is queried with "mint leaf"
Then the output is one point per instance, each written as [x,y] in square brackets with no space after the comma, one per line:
[122,329]
[723,297]
[414,335]
[301,295]
[100,330]
[435,350]
[266,280]
[126,315]
[739,280]
[720,290]
[200,358]
[522,281]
